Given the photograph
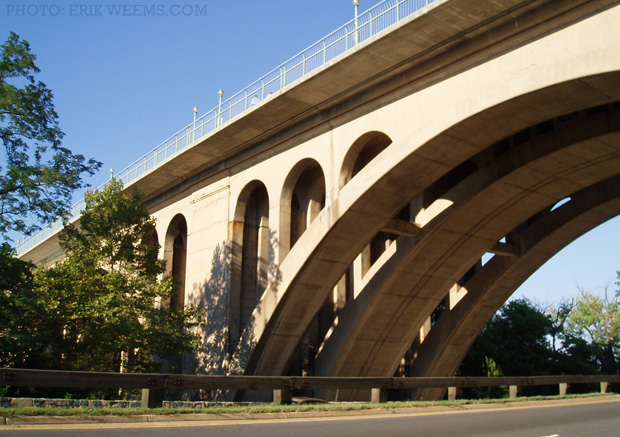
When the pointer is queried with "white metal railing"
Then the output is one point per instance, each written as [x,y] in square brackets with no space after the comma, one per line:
[369,23]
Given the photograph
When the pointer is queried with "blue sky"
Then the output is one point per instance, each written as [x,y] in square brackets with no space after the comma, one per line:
[123,82]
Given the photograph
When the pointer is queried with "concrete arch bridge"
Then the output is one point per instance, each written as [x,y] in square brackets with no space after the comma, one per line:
[324,227]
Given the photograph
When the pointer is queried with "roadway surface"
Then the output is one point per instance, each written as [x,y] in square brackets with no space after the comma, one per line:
[590,417]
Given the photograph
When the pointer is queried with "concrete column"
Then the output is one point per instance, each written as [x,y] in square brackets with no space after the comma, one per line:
[513,391]
[262,264]
[357,275]
[456,294]
[365,261]
[234,296]
[378,396]
[340,294]
[604,387]
[451,393]
[563,387]
[425,330]
[152,398]
[283,396]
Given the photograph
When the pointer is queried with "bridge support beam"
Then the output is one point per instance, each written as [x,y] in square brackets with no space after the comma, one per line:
[402,227]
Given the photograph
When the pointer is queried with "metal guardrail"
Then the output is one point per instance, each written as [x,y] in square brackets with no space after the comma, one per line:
[159,382]
[375,20]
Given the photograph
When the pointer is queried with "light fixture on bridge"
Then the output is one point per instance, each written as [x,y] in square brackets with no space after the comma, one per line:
[219,108]
[111,173]
[194,126]
[356,3]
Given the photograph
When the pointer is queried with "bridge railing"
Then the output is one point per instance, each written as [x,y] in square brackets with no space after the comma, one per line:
[370,23]
[153,384]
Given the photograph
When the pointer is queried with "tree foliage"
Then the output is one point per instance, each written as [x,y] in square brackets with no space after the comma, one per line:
[514,343]
[596,319]
[18,310]
[39,174]
[101,309]
[576,336]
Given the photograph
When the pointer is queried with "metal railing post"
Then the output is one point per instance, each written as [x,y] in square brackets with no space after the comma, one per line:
[303,70]
[356,38]
[282,76]
[371,23]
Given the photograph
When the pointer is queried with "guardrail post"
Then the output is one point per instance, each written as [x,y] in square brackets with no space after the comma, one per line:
[378,396]
[451,393]
[152,398]
[282,396]
[604,387]
[563,387]
[513,391]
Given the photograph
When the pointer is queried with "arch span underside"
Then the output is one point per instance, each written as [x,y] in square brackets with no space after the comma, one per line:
[546,138]
[448,341]
[495,203]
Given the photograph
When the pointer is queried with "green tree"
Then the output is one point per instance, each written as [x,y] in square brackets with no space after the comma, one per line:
[559,315]
[570,354]
[514,343]
[517,336]
[19,308]
[596,319]
[101,299]
[39,174]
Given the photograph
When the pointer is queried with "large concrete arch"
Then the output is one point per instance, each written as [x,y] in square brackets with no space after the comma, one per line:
[538,239]
[519,181]
[471,116]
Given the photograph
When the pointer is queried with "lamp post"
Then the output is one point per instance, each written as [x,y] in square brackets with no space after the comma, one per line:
[356,3]
[194,128]
[219,107]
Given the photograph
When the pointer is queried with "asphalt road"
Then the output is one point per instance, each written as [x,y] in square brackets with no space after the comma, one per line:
[600,417]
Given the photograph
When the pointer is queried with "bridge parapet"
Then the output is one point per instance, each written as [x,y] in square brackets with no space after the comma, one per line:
[338,43]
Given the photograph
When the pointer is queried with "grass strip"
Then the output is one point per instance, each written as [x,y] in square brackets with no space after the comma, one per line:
[265,408]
